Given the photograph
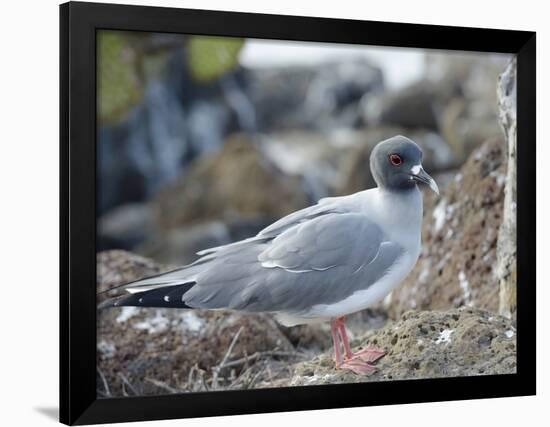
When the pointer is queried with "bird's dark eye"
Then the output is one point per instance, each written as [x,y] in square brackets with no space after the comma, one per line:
[396,160]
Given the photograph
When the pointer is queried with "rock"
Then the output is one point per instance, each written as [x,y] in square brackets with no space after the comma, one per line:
[456,99]
[124,226]
[506,271]
[239,181]
[321,159]
[468,74]
[470,117]
[176,121]
[334,95]
[150,350]
[312,97]
[141,153]
[278,95]
[146,351]
[426,344]
[467,124]
[460,230]
[179,246]
[415,106]
[117,267]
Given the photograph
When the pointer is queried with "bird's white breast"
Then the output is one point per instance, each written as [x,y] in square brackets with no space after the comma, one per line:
[365,298]
[400,217]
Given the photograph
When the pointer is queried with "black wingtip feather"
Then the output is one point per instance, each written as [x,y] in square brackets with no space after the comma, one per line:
[165,297]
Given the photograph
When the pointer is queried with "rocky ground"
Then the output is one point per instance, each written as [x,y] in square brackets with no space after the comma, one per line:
[143,351]
[426,344]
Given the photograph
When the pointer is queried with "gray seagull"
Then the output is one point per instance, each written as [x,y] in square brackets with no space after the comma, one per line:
[321,263]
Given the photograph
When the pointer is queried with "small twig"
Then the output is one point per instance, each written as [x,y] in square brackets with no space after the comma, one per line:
[162,385]
[255,377]
[241,378]
[269,373]
[230,349]
[260,354]
[102,394]
[125,381]
[216,370]
[189,385]
[276,327]
[105,385]
[124,392]
[246,359]
[203,382]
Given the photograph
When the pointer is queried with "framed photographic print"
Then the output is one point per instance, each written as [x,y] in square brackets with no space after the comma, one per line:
[268,213]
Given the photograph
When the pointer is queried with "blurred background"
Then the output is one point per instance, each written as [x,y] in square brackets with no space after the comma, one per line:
[205,140]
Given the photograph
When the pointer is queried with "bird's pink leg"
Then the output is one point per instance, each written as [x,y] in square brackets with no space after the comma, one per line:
[359,362]
[368,354]
[341,325]
[335,341]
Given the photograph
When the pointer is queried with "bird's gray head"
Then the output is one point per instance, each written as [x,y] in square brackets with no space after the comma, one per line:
[396,164]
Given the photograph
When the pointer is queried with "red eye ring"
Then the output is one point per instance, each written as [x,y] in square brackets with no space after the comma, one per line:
[396,160]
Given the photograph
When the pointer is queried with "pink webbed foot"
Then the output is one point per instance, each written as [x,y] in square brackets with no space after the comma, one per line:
[358,366]
[359,362]
[369,354]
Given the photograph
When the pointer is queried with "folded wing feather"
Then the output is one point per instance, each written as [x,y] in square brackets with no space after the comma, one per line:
[318,255]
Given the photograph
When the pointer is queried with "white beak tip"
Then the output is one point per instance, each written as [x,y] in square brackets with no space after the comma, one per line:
[434,187]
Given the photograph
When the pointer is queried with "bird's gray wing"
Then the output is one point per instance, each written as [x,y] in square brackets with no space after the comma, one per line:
[319,261]
[186,273]
[324,206]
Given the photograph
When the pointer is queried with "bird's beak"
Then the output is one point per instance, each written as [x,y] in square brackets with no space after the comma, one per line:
[419,174]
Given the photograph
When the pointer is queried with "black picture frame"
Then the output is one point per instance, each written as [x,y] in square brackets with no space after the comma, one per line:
[78,25]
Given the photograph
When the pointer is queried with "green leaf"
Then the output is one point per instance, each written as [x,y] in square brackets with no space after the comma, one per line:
[210,57]
[119,87]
